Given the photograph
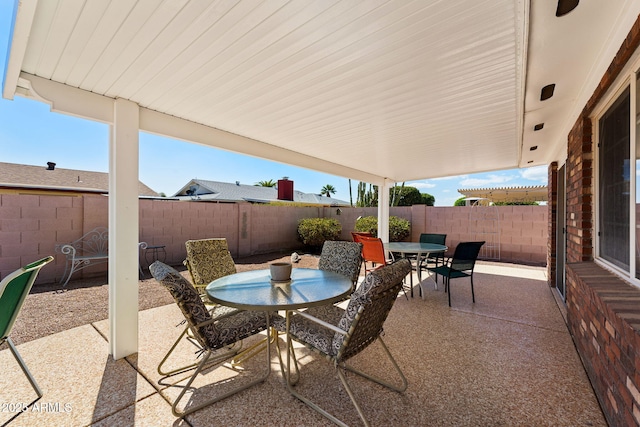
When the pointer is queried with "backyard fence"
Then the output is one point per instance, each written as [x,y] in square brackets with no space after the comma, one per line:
[32,225]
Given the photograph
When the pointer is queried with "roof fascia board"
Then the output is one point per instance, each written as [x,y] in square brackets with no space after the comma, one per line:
[53,188]
[162,124]
[21,23]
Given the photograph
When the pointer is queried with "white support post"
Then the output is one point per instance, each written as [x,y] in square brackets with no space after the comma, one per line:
[383,210]
[123,230]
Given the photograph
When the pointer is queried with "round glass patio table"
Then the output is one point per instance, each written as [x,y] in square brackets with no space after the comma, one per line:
[254,290]
[419,250]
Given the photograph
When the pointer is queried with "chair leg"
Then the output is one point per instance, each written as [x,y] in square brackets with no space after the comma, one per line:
[286,371]
[252,350]
[473,295]
[448,288]
[24,368]
[347,387]
[206,362]
[231,351]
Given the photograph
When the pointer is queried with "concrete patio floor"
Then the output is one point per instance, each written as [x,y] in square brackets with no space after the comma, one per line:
[507,360]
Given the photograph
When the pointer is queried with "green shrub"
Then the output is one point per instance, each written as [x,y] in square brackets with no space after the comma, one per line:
[399,228]
[315,231]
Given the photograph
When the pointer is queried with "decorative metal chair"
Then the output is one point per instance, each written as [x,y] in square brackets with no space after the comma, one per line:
[340,334]
[208,333]
[460,265]
[13,290]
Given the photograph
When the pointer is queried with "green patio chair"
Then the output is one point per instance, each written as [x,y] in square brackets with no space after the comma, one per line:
[13,290]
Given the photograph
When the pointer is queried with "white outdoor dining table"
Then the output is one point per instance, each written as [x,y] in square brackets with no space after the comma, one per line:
[419,250]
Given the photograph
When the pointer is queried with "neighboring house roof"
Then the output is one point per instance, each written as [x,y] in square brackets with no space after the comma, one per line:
[535,193]
[232,193]
[14,175]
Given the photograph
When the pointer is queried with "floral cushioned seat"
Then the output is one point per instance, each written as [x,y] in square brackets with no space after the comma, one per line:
[208,260]
[219,333]
[224,329]
[381,286]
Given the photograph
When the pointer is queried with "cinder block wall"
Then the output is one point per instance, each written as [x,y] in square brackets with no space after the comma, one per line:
[31,226]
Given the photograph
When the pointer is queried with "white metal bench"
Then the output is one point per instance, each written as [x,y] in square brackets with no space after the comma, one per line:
[90,249]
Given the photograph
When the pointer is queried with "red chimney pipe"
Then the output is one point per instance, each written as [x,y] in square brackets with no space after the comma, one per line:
[285,190]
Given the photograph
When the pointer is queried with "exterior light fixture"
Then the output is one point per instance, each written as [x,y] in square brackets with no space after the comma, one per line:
[547,92]
[566,6]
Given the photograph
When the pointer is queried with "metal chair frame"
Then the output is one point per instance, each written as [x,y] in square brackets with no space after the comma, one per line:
[208,350]
[461,264]
[14,289]
[358,336]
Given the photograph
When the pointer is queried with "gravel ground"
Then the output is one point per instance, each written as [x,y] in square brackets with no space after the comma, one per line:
[49,309]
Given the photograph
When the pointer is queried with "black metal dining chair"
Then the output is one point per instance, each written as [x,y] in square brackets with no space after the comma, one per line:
[437,258]
[461,264]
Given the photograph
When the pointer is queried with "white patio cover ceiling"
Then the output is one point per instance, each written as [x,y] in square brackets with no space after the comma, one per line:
[368,89]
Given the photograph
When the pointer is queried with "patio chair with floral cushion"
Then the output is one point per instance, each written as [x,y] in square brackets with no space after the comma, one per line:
[341,257]
[209,334]
[339,334]
[208,260]
[14,288]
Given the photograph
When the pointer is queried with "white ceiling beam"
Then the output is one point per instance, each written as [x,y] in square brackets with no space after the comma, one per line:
[174,127]
[68,100]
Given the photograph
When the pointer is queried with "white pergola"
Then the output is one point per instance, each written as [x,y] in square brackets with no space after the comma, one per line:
[375,90]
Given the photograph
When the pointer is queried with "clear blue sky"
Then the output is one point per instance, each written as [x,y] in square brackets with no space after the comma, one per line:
[31,134]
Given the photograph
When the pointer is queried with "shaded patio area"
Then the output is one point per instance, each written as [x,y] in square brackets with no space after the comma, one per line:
[508,359]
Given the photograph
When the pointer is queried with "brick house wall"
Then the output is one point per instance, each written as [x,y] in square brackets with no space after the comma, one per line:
[603,311]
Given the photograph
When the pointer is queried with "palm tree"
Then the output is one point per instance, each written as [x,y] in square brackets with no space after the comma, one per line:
[328,190]
[270,183]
